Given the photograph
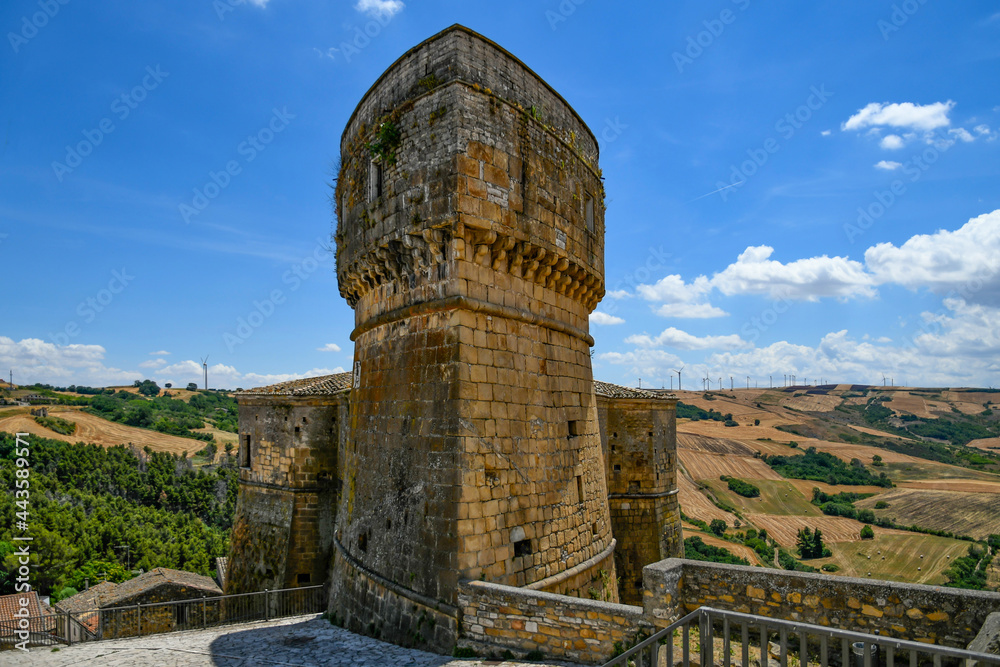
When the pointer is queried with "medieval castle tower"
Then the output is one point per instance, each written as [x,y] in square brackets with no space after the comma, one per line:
[469,441]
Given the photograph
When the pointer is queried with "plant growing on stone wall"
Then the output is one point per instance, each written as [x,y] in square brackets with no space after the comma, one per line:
[387,140]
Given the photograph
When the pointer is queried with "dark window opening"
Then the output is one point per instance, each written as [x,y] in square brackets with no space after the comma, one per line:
[245,451]
[638,583]
[304,420]
[614,435]
[297,429]
[575,428]
[618,467]
[579,488]
[614,448]
[303,578]
[522,548]
[650,434]
[363,542]
[388,524]
[589,212]
[593,528]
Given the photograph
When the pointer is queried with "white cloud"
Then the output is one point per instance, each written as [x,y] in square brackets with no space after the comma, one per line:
[161,353]
[805,279]
[905,115]
[35,360]
[329,347]
[259,3]
[682,340]
[891,142]
[888,165]
[152,363]
[985,131]
[654,366]
[228,377]
[826,133]
[619,294]
[690,311]
[963,261]
[383,8]
[962,134]
[597,317]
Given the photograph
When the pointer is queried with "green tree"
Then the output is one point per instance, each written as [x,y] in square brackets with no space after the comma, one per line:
[148,388]
[192,386]
[867,533]
[718,526]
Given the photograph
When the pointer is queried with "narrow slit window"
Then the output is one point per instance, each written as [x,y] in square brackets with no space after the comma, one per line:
[374,181]
[245,451]
[579,488]
[589,212]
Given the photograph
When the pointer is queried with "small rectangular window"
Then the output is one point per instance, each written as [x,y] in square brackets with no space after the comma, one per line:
[589,212]
[579,488]
[303,578]
[522,548]
[374,181]
[575,429]
[245,451]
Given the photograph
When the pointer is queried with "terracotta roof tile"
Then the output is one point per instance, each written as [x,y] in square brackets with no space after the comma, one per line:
[317,386]
[157,577]
[609,390]
[43,620]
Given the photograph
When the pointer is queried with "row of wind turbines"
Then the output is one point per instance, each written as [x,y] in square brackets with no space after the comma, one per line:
[788,379]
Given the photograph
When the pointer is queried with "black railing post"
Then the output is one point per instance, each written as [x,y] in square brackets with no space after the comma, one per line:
[267,606]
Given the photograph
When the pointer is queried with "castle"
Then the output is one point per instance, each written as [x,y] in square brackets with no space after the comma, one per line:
[470,441]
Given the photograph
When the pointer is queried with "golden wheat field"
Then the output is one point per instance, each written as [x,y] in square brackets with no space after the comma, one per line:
[974,514]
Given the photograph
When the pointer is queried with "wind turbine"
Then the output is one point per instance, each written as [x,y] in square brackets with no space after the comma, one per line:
[204,365]
[748,382]
[883,379]
[678,371]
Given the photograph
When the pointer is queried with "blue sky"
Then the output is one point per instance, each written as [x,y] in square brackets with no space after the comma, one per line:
[793,188]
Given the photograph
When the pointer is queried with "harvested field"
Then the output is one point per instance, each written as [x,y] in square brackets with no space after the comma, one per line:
[719,446]
[700,465]
[806,486]
[846,452]
[779,498]
[102,432]
[974,514]
[745,431]
[963,485]
[896,557]
[929,470]
[910,404]
[785,529]
[813,402]
[988,444]
[740,550]
[695,505]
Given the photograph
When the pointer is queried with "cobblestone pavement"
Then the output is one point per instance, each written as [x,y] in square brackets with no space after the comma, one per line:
[299,641]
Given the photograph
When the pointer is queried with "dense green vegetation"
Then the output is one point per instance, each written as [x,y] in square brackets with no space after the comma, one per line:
[169,415]
[694,413]
[810,544]
[741,487]
[696,549]
[823,467]
[969,571]
[57,424]
[91,508]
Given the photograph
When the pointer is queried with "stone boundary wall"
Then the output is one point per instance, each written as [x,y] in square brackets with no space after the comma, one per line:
[945,616]
[496,617]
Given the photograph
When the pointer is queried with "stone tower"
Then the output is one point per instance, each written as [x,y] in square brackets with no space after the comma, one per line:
[470,244]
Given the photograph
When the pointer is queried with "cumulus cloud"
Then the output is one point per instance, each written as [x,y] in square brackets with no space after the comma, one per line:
[161,353]
[692,311]
[682,340]
[963,261]
[35,360]
[888,165]
[329,347]
[806,279]
[891,142]
[224,376]
[680,299]
[153,363]
[597,317]
[905,115]
[826,133]
[380,8]
[619,294]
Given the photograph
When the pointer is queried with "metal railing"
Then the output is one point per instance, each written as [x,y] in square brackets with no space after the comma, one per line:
[139,620]
[770,642]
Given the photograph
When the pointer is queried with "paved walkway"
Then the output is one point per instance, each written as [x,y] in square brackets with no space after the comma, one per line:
[306,640]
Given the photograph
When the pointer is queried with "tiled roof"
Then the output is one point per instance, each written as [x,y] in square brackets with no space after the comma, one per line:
[609,390]
[221,566]
[318,386]
[10,604]
[157,577]
[88,599]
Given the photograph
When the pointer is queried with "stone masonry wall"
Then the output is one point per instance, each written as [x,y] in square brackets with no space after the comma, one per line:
[639,441]
[945,616]
[497,618]
[283,529]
